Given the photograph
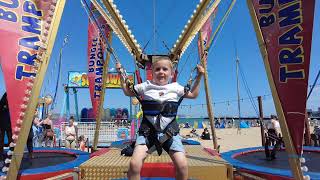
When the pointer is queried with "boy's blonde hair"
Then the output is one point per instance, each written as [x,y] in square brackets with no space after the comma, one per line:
[159,58]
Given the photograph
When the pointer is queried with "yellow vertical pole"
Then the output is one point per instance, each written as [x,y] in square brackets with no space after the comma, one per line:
[208,96]
[292,153]
[104,81]
[35,92]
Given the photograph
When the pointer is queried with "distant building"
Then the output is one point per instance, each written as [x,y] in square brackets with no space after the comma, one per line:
[314,114]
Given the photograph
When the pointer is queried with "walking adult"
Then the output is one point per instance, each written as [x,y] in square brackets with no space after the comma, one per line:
[5,124]
[48,131]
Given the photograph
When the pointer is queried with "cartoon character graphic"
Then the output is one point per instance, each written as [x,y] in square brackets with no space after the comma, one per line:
[84,80]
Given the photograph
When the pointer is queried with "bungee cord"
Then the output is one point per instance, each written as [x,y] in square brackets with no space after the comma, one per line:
[313,85]
[109,48]
[54,101]
[248,90]
[103,35]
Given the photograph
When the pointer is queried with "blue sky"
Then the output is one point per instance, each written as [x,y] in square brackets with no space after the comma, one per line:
[170,18]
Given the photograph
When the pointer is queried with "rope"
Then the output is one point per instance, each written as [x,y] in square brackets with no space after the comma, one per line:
[187,59]
[225,101]
[109,48]
[154,26]
[313,85]
[54,101]
[214,37]
[93,19]
[248,90]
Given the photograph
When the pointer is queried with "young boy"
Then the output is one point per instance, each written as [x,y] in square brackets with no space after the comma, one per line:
[160,104]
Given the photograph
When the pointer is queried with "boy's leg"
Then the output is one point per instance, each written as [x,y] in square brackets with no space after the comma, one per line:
[136,162]
[177,154]
[180,162]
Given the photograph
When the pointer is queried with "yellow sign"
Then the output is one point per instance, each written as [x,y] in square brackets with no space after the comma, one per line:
[80,80]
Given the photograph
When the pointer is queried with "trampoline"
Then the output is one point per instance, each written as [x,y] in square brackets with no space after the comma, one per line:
[253,161]
[49,162]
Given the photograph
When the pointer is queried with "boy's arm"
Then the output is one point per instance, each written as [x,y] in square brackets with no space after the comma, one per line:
[194,92]
[127,91]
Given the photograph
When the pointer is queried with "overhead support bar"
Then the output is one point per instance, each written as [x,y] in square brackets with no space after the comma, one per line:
[124,29]
[194,24]
[121,29]
[112,24]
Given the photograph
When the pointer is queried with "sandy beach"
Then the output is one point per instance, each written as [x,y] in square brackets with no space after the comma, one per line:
[229,139]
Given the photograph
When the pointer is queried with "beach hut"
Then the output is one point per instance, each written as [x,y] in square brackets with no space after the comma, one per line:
[195,124]
[200,125]
[243,125]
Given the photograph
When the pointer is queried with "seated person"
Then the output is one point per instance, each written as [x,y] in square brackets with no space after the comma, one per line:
[82,143]
[205,134]
[193,133]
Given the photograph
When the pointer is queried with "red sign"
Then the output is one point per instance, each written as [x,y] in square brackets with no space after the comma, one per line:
[286,28]
[96,49]
[24,27]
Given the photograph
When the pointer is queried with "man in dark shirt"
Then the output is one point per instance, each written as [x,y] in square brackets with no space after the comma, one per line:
[5,124]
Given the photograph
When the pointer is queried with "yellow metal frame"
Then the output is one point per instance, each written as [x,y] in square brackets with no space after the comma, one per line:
[35,93]
[104,81]
[112,24]
[194,24]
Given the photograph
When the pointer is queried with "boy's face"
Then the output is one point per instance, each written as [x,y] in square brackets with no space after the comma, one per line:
[161,72]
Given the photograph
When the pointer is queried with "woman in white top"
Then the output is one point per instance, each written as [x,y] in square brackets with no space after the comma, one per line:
[70,135]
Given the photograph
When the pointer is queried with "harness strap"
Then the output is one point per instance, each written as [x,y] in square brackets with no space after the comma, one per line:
[151,134]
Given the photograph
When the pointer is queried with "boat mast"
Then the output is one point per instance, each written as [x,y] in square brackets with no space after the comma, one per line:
[238,89]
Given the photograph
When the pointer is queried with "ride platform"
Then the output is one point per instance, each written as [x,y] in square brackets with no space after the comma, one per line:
[203,165]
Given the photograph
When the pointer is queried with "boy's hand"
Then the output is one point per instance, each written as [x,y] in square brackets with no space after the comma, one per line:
[118,67]
[200,69]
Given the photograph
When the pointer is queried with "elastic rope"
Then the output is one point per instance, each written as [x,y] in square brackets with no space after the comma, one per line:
[93,19]
[313,85]
[220,26]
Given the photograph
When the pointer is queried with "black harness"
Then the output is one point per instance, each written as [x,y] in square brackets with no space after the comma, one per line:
[150,131]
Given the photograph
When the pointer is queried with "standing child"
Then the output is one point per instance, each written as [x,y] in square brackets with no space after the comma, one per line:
[82,143]
[159,128]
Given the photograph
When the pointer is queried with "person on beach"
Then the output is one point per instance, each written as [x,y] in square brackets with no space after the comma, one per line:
[48,131]
[82,143]
[205,134]
[273,129]
[160,101]
[35,123]
[71,134]
[5,126]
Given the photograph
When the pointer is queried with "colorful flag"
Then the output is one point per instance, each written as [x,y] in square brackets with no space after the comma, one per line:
[96,47]
[205,35]
[285,33]
[24,27]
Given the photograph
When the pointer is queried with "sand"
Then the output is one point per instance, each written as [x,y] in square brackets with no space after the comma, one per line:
[229,139]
